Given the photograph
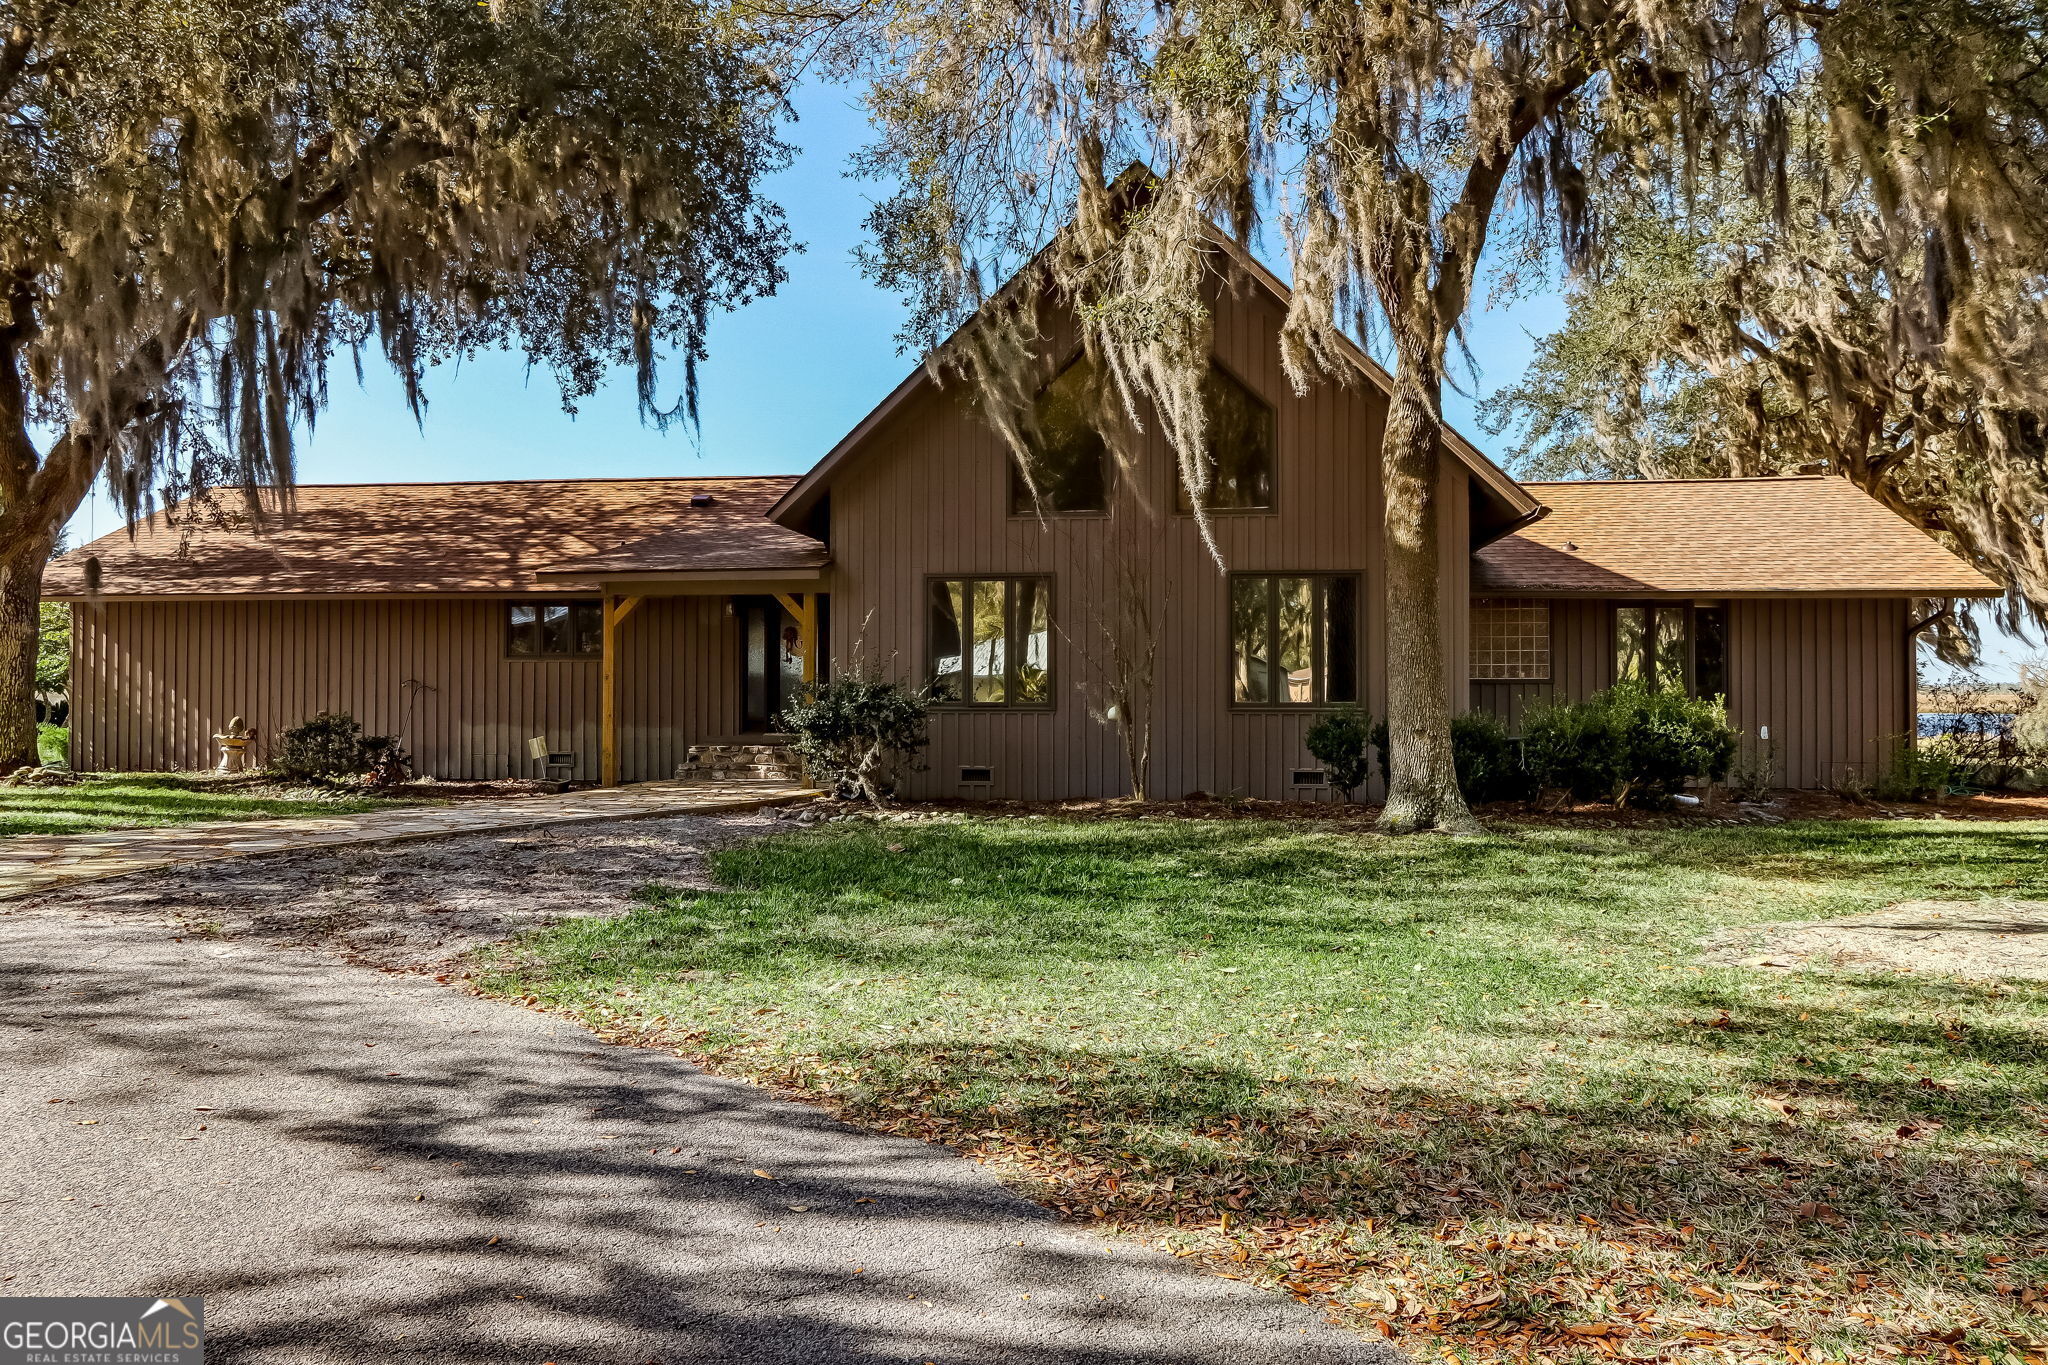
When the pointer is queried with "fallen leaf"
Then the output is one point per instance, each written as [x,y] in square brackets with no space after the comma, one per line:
[764,1175]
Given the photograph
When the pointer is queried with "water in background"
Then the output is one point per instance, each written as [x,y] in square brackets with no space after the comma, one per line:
[1976,724]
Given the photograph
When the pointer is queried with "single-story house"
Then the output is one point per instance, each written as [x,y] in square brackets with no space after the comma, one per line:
[601,629]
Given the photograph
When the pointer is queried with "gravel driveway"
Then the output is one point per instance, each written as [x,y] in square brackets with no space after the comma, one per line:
[355,1164]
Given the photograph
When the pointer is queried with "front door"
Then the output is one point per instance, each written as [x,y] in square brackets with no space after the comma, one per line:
[771,659]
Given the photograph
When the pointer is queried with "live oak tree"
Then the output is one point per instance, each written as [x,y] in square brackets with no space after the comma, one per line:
[202,202]
[1381,140]
[1385,144]
[1719,338]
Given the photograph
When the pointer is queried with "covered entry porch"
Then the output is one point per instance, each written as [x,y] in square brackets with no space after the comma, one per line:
[768,644]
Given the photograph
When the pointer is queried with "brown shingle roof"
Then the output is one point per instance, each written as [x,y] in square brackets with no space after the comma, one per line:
[1777,535]
[445,538]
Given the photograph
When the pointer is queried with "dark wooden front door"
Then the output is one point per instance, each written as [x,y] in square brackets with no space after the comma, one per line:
[771,662]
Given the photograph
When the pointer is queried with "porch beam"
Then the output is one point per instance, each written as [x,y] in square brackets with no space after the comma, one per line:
[616,610]
[804,608]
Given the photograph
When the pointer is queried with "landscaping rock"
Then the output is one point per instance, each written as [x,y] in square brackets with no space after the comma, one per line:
[41,777]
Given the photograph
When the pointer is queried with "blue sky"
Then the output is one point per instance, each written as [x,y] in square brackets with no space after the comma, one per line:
[787,377]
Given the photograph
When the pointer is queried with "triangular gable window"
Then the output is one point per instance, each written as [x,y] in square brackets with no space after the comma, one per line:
[1069,458]
[1240,446]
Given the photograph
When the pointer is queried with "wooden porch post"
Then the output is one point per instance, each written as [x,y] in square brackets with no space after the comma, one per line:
[804,607]
[616,610]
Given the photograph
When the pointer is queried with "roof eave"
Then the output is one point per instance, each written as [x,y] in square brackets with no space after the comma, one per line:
[804,572]
[1648,593]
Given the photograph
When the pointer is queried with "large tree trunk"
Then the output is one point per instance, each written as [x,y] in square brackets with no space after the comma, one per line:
[1422,788]
[21,584]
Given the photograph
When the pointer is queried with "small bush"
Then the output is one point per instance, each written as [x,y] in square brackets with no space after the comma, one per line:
[53,745]
[1666,739]
[1754,772]
[2030,724]
[1914,772]
[859,733]
[1570,747]
[1339,740]
[332,745]
[1631,744]
[1488,767]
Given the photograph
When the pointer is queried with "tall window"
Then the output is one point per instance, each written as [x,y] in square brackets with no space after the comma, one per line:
[1239,447]
[1069,459]
[1510,640]
[1683,648]
[1293,639]
[554,630]
[989,642]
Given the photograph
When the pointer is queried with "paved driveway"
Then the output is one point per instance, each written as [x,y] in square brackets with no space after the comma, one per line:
[361,1166]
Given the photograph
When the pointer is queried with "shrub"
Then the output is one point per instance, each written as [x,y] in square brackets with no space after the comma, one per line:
[859,733]
[1665,739]
[1979,726]
[1914,772]
[1338,740]
[1754,772]
[53,745]
[1483,756]
[1488,767]
[1630,744]
[2030,724]
[332,744]
[1570,747]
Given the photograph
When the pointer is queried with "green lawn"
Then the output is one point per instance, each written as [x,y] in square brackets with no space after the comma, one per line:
[1474,1090]
[126,800]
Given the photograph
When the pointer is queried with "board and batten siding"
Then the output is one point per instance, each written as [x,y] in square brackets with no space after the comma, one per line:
[1581,663]
[1831,678]
[929,498]
[153,682]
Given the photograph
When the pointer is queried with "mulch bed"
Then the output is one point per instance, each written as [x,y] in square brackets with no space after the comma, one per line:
[1783,805]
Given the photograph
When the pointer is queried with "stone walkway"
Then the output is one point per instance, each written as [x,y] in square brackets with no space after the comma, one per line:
[40,862]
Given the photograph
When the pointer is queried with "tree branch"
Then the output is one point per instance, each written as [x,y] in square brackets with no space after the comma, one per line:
[1466,225]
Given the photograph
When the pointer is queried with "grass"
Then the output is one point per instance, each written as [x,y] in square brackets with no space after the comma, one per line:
[53,743]
[1476,1093]
[130,800]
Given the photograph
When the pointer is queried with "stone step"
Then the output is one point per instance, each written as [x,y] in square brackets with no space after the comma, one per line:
[713,762]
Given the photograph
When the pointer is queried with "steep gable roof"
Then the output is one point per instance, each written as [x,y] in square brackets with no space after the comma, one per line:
[438,538]
[1506,504]
[1811,535]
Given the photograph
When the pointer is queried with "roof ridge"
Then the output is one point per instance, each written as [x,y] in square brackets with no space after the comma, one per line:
[488,483]
[1637,483]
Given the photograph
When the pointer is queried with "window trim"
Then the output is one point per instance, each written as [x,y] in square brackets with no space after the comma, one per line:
[505,629]
[1109,481]
[1549,639]
[1690,608]
[1011,473]
[966,701]
[1319,629]
[1173,470]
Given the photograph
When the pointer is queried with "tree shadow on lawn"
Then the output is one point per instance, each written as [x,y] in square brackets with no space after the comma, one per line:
[1521,1214]
[1727,1133]
[413,1181]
